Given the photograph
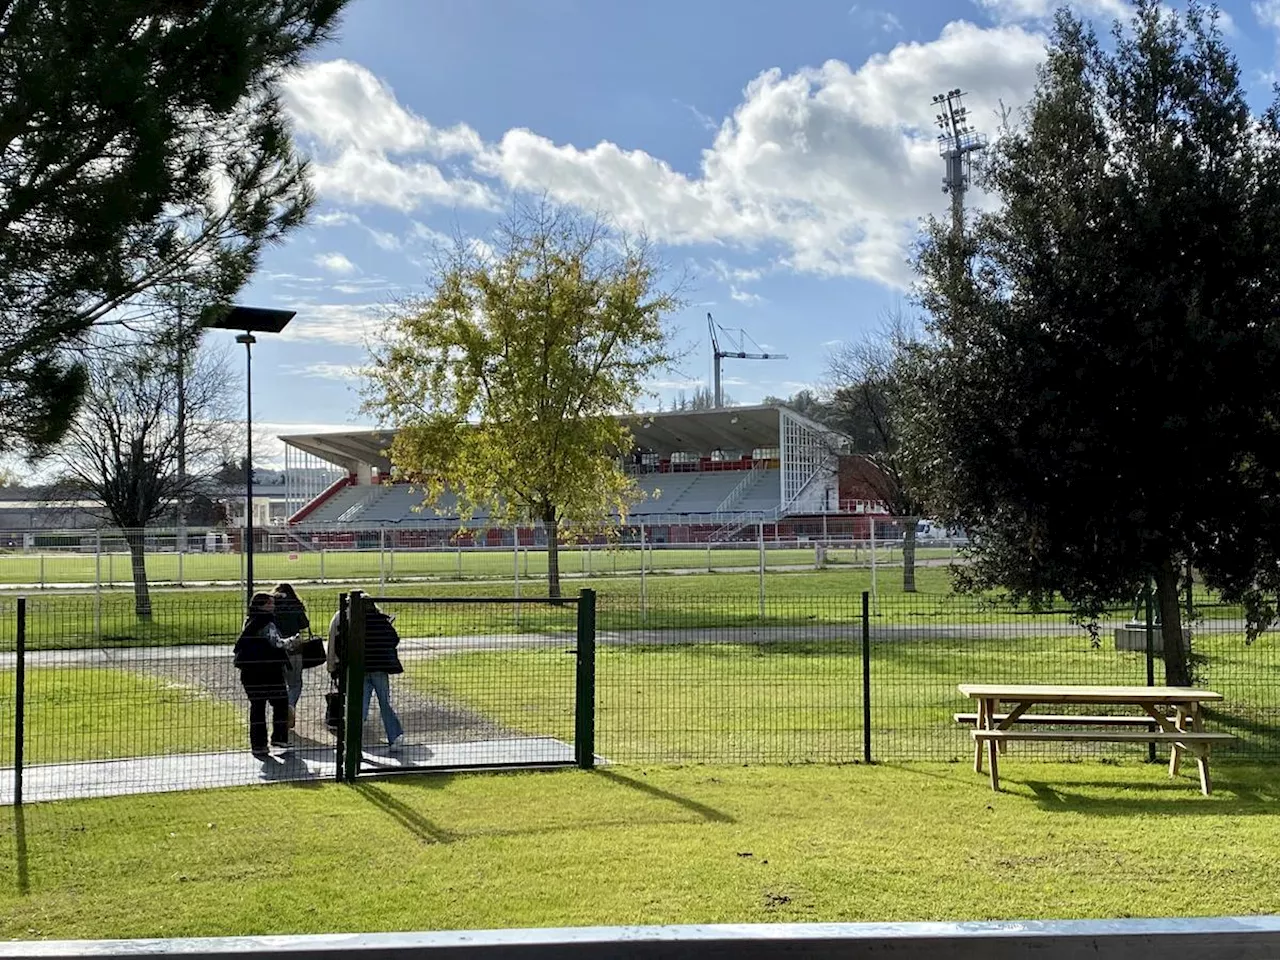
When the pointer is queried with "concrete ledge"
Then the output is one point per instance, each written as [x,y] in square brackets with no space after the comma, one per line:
[1239,938]
[1135,638]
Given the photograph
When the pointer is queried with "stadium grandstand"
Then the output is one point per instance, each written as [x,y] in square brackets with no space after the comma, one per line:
[710,475]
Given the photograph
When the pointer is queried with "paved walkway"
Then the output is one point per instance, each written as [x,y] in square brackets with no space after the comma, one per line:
[167,774]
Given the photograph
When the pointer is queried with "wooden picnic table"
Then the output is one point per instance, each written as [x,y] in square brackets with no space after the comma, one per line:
[1183,728]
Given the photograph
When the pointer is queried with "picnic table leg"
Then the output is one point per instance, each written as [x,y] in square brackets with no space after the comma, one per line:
[1175,755]
[992,749]
[1202,754]
[977,744]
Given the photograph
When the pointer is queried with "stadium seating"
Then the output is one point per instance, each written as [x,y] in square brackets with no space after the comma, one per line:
[678,494]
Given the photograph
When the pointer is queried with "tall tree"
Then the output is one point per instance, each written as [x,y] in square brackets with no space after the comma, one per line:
[1099,399]
[122,450]
[504,383]
[141,141]
[868,404]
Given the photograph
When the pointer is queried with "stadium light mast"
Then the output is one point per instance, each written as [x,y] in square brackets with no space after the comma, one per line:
[739,354]
[957,141]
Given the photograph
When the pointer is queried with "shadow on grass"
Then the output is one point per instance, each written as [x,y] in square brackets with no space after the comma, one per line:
[1179,797]
[20,850]
[707,813]
[425,830]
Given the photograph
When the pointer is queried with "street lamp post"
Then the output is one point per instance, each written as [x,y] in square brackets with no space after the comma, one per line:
[249,320]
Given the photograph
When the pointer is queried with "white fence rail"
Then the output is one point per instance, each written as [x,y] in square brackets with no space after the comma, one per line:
[1240,938]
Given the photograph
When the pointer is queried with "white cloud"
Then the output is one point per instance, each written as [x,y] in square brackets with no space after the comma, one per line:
[877,20]
[352,324]
[828,169]
[745,296]
[355,125]
[335,218]
[326,371]
[335,263]
[1268,13]
[1028,11]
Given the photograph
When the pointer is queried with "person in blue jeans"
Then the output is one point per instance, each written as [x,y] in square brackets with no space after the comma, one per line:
[380,662]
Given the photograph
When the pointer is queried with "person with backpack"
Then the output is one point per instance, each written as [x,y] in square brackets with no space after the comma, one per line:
[262,657]
[380,662]
[292,621]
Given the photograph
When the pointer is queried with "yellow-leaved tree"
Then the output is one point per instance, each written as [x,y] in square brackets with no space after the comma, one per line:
[504,382]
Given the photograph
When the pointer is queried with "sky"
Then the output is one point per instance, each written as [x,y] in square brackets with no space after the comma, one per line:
[781,155]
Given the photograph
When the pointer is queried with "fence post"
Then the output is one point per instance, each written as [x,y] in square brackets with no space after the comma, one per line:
[584,726]
[382,552]
[760,542]
[42,570]
[20,701]
[322,564]
[873,562]
[644,589]
[355,685]
[97,586]
[1151,662]
[181,580]
[866,677]
[340,734]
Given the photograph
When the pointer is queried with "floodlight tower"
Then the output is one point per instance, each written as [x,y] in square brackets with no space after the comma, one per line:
[740,353]
[955,143]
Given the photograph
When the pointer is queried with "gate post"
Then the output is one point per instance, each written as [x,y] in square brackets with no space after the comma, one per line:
[339,653]
[354,672]
[584,726]
[1151,662]
[866,677]
[20,701]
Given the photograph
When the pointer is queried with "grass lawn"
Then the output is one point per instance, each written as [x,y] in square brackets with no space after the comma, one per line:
[64,619]
[789,702]
[645,846]
[114,569]
[91,713]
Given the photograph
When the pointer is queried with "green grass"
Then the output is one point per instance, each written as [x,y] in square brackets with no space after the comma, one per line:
[96,713]
[114,569]
[642,846]
[67,619]
[802,701]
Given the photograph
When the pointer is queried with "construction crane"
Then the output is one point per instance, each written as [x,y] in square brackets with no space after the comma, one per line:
[739,354]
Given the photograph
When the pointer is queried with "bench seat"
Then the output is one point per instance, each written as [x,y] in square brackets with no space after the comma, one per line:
[1110,736]
[1077,719]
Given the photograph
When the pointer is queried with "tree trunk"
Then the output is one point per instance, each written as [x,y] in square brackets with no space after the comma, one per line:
[553,555]
[909,554]
[1177,665]
[138,561]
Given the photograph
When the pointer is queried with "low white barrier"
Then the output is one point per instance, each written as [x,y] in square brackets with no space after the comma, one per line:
[1229,938]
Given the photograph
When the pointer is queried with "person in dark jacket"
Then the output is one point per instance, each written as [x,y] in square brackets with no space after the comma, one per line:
[380,662]
[262,656]
[292,621]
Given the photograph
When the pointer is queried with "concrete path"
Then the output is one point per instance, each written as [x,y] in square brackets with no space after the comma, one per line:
[167,774]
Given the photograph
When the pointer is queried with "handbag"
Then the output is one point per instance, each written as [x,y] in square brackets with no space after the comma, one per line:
[333,707]
[313,653]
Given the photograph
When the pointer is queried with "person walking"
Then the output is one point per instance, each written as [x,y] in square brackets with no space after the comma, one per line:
[380,662]
[262,656]
[292,621]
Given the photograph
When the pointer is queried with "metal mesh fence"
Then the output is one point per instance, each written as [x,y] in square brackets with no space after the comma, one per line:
[116,703]
[471,683]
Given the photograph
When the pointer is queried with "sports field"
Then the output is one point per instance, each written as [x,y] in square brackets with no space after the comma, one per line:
[112,569]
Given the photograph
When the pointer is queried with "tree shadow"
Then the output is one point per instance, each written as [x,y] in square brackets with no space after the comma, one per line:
[404,815]
[707,813]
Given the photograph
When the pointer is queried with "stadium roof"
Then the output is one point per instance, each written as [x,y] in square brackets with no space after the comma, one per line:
[663,433]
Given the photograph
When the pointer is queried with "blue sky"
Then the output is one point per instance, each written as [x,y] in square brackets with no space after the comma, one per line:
[782,154]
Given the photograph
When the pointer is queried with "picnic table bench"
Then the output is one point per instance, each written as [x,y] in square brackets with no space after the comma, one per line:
[1170,714]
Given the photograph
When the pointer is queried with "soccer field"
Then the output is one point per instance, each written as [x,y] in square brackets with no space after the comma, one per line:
[114,570]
